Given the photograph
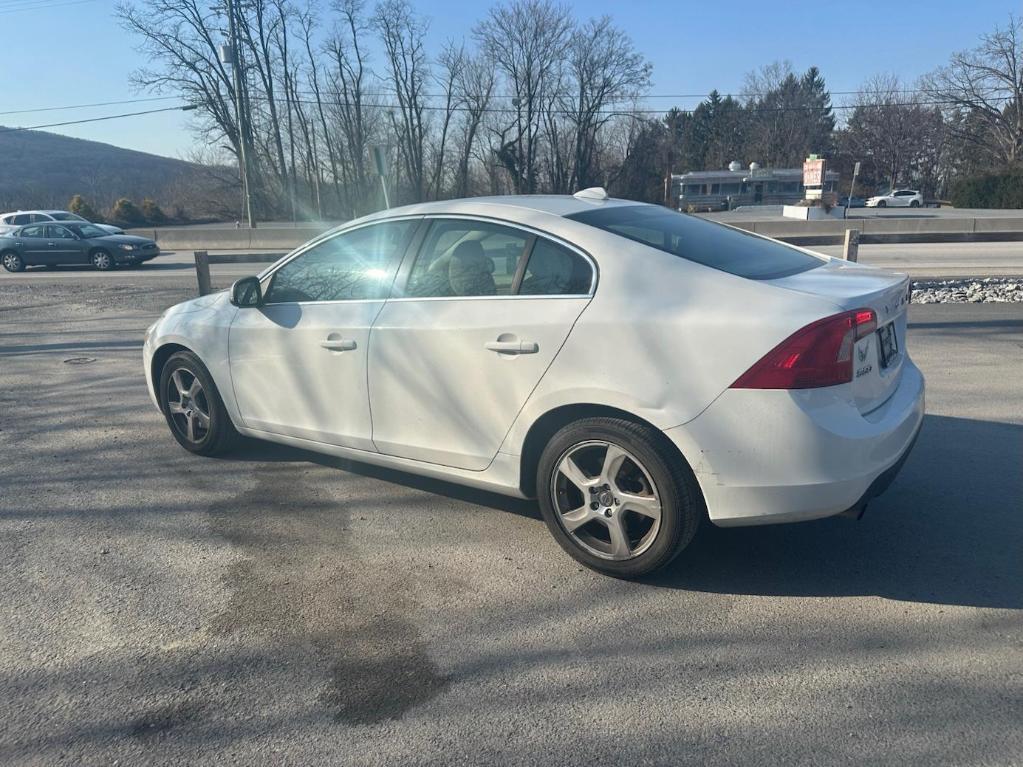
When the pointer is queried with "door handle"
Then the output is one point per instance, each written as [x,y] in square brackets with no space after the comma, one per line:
[338,344]
[512,347]
[52,244]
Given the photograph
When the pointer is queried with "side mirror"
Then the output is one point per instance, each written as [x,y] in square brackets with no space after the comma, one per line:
[247,292]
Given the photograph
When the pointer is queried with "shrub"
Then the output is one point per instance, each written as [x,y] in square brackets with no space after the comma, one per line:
[126,213]
[152,214]
[80,207]
[995,190]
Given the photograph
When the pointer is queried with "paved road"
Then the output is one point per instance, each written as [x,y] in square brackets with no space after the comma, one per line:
[918,260]
[279,607]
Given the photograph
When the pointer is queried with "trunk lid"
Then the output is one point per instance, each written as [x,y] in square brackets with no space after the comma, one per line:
[877,358]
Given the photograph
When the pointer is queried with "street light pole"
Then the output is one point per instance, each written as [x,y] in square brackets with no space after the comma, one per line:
[236,75]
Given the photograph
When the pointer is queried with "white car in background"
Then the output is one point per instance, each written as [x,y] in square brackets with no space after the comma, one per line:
[900,198]
[633,368]
[22,217]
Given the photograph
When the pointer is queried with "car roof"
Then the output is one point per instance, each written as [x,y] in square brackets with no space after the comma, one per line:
[513,207]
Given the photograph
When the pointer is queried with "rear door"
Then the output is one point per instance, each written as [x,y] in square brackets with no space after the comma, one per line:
[34,245]
[483,310]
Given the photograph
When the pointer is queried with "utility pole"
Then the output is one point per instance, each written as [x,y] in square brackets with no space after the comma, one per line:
[234,59]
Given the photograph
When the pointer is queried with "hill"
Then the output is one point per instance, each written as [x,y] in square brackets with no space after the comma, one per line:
[44,170]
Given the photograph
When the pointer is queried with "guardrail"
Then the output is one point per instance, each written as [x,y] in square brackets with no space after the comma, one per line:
[203,260]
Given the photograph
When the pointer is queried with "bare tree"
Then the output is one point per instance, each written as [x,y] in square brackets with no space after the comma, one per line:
[526,40]
[899,141]
[451,64]
[403,35]
[475,87]
[606,68]
[984,87]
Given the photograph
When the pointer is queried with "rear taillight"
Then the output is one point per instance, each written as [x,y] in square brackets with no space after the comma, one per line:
[821,354]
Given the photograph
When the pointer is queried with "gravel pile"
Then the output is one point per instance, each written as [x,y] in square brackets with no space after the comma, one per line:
[997,290]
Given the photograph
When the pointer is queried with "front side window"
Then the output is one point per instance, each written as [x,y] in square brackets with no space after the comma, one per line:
[703,242]
[555,271]
[467,258]
[360,264]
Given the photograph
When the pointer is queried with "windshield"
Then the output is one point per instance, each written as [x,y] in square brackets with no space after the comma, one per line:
[88,231]
[66,217]
[695,239]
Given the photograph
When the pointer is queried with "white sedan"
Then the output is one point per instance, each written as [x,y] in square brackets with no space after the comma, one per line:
[900,198]
[633,368]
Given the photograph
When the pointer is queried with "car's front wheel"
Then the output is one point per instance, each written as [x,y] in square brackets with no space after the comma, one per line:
[13,262]
[882,204]
[102,260]
[193,407]
[615,496]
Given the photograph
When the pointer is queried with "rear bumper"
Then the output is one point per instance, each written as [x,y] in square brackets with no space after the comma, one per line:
[764,457]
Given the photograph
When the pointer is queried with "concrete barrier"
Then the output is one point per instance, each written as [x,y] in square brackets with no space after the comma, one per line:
[217,238]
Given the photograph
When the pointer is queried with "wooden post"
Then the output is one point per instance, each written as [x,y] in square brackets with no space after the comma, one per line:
[850,251]
[202,271]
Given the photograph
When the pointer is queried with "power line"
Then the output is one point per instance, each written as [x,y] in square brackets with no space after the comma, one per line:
[184,108]
[41,6]
[87,106]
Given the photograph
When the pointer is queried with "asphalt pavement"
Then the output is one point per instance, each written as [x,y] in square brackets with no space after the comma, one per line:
[280,607]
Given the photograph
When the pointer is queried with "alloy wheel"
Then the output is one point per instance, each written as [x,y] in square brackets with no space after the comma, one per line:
[102,260]
[188,406]
[12,262]
[605,500]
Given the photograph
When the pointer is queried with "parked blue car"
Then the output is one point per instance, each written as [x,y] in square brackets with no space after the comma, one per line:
[72,243]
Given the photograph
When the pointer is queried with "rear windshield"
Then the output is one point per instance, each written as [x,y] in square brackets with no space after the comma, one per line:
[704,242]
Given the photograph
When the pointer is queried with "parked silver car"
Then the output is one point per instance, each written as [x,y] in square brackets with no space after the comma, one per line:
[22,217]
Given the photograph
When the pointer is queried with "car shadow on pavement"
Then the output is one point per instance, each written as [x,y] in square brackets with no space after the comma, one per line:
[268,452]
[948,531]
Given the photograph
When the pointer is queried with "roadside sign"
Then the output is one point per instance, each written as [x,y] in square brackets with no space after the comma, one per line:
[856,169]
[813,172]
[380,160]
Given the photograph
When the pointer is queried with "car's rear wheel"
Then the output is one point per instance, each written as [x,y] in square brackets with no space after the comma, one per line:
[615,496]
[193,407]
[102,260]
[13,262]
[914,204]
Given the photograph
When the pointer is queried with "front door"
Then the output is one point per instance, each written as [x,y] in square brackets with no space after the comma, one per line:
[298,363]
[64,247]
[485,310]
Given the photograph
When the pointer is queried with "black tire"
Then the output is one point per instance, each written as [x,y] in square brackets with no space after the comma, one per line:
[914,204]
[882,204]
[12,261]
[218,436]
[673,485]
[102,260]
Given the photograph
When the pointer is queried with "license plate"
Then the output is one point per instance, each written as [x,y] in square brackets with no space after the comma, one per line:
[889,344]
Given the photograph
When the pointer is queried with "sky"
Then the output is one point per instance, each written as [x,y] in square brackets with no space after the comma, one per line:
[58,53]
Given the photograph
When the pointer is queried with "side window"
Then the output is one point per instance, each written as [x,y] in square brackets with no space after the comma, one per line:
[33,231]
[58,233]
[555,271]
[35,218]
[353,265]
[467,258]
[22,218]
